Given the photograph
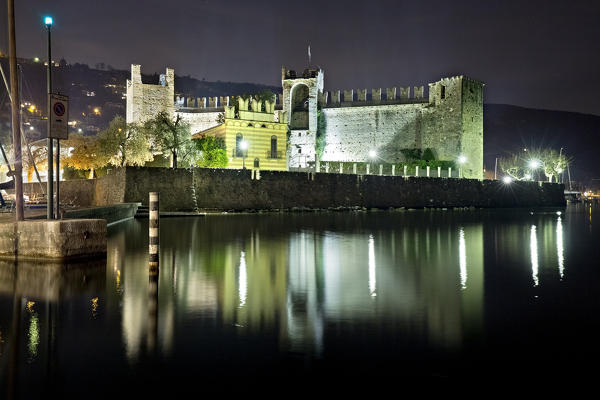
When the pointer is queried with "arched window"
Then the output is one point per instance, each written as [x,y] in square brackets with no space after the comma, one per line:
[239,152]
[273,146]
[256,163]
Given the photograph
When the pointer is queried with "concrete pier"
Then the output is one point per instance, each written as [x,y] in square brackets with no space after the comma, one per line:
[53,239]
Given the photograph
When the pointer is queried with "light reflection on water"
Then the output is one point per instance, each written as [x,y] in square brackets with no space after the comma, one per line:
[310,286]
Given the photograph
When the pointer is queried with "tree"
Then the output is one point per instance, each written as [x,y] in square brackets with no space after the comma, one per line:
[553,163]
[212,152]
[513,166]
[84,153]
[172,136]
[124,144]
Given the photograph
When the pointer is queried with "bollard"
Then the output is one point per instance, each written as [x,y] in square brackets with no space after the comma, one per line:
[354,168]
[380,169]
[439,172]
[368,165]
[341,168]
[405,167]
[428,171]
[449,172]
[393,170]
[417,171]
[153,233]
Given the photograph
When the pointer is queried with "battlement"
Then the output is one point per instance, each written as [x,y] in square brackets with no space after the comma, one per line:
[210,104]
[167,79]
[362,97]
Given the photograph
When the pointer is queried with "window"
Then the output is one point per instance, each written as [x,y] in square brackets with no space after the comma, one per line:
[273,146]
[256,163]
[443,92]
[239,152]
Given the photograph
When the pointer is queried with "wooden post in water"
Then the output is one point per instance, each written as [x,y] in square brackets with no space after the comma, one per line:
[153,249]
[153,232]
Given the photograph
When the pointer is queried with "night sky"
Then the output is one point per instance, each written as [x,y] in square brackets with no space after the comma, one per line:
[535,54]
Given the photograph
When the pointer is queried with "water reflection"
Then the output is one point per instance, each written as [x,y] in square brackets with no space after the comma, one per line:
[462,258]
[560,251]
[372,278]
[534,255]
[233,289]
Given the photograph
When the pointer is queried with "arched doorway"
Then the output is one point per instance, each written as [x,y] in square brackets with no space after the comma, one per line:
[299,106]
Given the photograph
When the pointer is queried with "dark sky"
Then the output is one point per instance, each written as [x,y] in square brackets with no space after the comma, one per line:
[540,54]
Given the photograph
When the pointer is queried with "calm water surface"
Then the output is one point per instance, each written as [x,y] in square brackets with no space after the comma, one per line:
[299,298]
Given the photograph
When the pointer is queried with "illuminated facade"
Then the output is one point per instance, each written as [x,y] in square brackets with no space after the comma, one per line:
[253,138]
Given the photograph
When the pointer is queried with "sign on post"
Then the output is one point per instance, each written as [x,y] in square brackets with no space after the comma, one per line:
[59,114]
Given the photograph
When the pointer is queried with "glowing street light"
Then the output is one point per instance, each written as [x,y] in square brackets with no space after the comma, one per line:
[244,147]
[507,180]
[372,154]
[534,164]
[48,20]
[462,159]
[528,177]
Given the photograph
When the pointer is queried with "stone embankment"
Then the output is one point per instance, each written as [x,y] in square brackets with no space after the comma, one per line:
[228,189]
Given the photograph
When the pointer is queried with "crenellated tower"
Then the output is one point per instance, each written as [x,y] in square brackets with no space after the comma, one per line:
[146,100]
[301,93]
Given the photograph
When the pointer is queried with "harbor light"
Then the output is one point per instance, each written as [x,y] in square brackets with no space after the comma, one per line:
[534,164]
[507,180]
[47,21]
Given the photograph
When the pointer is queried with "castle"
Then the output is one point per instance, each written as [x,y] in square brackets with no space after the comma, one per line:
[348,125]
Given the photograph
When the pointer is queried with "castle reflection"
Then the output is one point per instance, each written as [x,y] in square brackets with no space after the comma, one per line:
[305,280]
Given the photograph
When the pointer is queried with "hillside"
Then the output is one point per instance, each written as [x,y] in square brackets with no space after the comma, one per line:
[510,128]
[96,95]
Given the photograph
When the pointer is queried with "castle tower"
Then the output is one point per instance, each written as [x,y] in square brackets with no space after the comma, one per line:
[144,101]
[300,99]
[454,125]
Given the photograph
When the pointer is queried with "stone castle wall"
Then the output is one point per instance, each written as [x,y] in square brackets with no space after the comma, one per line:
[230,189]
[200,121]
[350,133]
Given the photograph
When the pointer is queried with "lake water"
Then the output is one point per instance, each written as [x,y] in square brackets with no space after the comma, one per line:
[306,297]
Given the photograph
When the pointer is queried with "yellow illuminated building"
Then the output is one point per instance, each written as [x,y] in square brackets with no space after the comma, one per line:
[254,139]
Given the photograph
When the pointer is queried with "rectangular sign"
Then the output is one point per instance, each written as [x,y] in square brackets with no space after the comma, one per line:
[59,116]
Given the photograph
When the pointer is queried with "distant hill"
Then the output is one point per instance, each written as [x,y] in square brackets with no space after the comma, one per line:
[510,128]
[97,95]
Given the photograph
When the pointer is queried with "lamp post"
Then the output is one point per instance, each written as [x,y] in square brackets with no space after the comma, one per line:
[244,147]
[534,165]
[14,93]
[50,144]
[461,161]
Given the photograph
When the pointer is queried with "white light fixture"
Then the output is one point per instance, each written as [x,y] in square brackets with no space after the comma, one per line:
[507,179]
[372,154]
[533,164]
[462,159]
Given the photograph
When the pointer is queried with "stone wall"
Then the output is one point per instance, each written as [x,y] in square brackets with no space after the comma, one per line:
[226,189]
[200,121]
[350,133]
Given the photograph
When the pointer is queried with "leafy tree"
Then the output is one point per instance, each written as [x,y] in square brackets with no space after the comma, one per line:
[172,136]
[553,163]
[513,166]
[411,154]
[124,144]
[84,153]
[212,152]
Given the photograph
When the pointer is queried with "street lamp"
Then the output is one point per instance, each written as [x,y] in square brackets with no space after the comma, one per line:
[244,147]
[507,180]
[461,161]
[50,198]
[372,154]
[533,165]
